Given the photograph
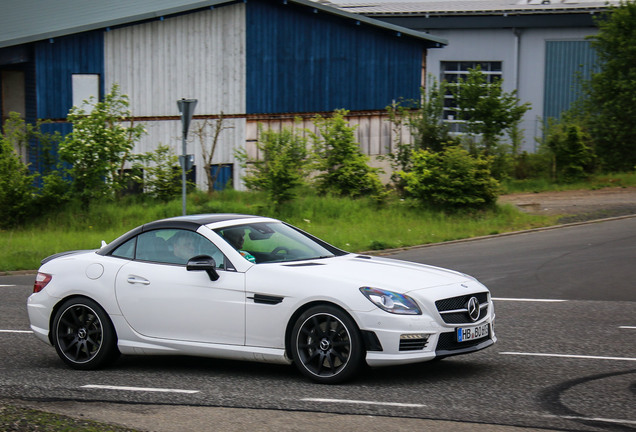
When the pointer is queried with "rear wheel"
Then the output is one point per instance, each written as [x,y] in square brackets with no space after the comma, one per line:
[83,335]
[326,345]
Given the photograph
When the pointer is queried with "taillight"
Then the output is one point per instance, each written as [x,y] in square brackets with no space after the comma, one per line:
[41,280]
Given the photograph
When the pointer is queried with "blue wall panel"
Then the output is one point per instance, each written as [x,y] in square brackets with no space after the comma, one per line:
[566,64]
[301,61]
[55,63]
[223,175]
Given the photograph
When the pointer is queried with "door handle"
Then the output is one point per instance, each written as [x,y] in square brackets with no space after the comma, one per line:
[138,280]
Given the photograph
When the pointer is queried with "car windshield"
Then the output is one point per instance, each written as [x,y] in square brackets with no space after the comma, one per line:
[267,242]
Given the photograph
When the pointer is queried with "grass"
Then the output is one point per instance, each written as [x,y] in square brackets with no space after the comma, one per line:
[20,419]
[353,225]
[595,182]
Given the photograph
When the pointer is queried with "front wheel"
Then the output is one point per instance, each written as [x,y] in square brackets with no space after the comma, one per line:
[83,335]
[326,345]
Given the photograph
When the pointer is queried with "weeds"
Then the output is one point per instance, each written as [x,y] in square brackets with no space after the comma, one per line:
[351,224]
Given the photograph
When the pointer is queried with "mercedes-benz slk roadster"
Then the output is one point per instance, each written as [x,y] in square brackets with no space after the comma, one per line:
[253,288]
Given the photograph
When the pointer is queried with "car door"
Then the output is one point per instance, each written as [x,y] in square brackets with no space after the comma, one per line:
[160,298]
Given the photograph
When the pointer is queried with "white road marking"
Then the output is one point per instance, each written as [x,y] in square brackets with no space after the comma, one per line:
[569,356]
[360,402]
[529,300]
[627,327]
[16,331]
[597,419]
[139,389]
[3,286]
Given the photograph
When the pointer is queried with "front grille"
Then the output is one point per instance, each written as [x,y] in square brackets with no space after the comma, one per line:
[454,310]
[448,342]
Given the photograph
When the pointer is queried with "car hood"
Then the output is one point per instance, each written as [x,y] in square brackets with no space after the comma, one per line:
[377,272]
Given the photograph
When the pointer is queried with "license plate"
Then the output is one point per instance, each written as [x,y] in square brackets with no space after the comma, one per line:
[465,334]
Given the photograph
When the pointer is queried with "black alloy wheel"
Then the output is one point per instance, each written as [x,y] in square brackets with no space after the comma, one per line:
[326,345]
[83,335]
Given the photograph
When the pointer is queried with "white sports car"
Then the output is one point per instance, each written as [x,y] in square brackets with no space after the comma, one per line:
[253,288]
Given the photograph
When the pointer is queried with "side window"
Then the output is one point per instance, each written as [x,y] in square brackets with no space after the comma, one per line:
[174,246]
[127,250]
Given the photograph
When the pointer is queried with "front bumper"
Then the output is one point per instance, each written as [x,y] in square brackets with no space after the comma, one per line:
[413,339]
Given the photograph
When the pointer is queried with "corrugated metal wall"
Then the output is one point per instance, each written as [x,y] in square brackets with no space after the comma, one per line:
[56,61]
[566,63]
[373,131]
[199,55]
[300,61]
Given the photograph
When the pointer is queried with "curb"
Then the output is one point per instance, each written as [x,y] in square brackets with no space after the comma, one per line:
[506,234]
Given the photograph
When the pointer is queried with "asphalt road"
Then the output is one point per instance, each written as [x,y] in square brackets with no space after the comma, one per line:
[566,358]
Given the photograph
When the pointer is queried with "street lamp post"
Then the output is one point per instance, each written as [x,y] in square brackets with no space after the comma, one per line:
[186,108]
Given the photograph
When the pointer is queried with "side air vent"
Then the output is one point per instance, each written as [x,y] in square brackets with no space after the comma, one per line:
[266,299]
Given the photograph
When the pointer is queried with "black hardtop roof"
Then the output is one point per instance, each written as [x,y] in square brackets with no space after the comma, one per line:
[188,222]
[194,221]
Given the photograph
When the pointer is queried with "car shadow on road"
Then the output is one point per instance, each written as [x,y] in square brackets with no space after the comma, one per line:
[425,372]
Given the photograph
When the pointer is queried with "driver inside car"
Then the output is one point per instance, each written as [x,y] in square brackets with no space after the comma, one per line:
[236,238]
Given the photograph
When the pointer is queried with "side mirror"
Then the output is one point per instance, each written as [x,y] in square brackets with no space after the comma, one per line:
[203,263]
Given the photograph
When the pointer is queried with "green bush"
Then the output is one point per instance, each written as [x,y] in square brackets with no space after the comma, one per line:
[55,191]
[16,186]
[282,166]
[452,179]
[572,152]
[342,168]
[161,178]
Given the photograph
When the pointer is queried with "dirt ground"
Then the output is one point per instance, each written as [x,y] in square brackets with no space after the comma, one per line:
[578,205]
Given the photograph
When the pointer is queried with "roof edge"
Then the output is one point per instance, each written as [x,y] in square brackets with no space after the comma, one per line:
[371,21]
[435,41]
[96,25]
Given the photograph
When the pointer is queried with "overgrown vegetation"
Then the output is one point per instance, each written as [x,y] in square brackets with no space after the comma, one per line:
[451,179]
[487,110]
[609,111]
[282,166]
[16,184]
[99,146]
[351,224]
[342,168]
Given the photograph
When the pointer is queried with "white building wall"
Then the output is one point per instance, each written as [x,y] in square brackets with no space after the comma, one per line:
[195,56]
[522,53]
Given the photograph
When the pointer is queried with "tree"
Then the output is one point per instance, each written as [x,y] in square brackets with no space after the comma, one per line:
[26,136]
[486,108]
[281,167]
[611,102]
[99,146]
[158,172]
[342,168]
[424,118]
[205,130]
[571,150]
[16,181]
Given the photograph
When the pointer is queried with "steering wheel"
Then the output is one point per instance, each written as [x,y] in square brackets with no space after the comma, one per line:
[280,249]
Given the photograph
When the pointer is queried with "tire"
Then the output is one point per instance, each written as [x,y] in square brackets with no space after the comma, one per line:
[83,335]
[326,345]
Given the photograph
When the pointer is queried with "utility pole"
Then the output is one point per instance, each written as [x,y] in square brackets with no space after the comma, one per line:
[186,108]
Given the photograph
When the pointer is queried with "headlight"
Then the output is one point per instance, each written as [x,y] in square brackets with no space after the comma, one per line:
[391,302]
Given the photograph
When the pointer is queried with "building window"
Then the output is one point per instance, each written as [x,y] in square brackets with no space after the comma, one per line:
[85,86]
[451,72]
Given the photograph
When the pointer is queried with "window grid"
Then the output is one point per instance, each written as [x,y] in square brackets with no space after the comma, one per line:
[451,72]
